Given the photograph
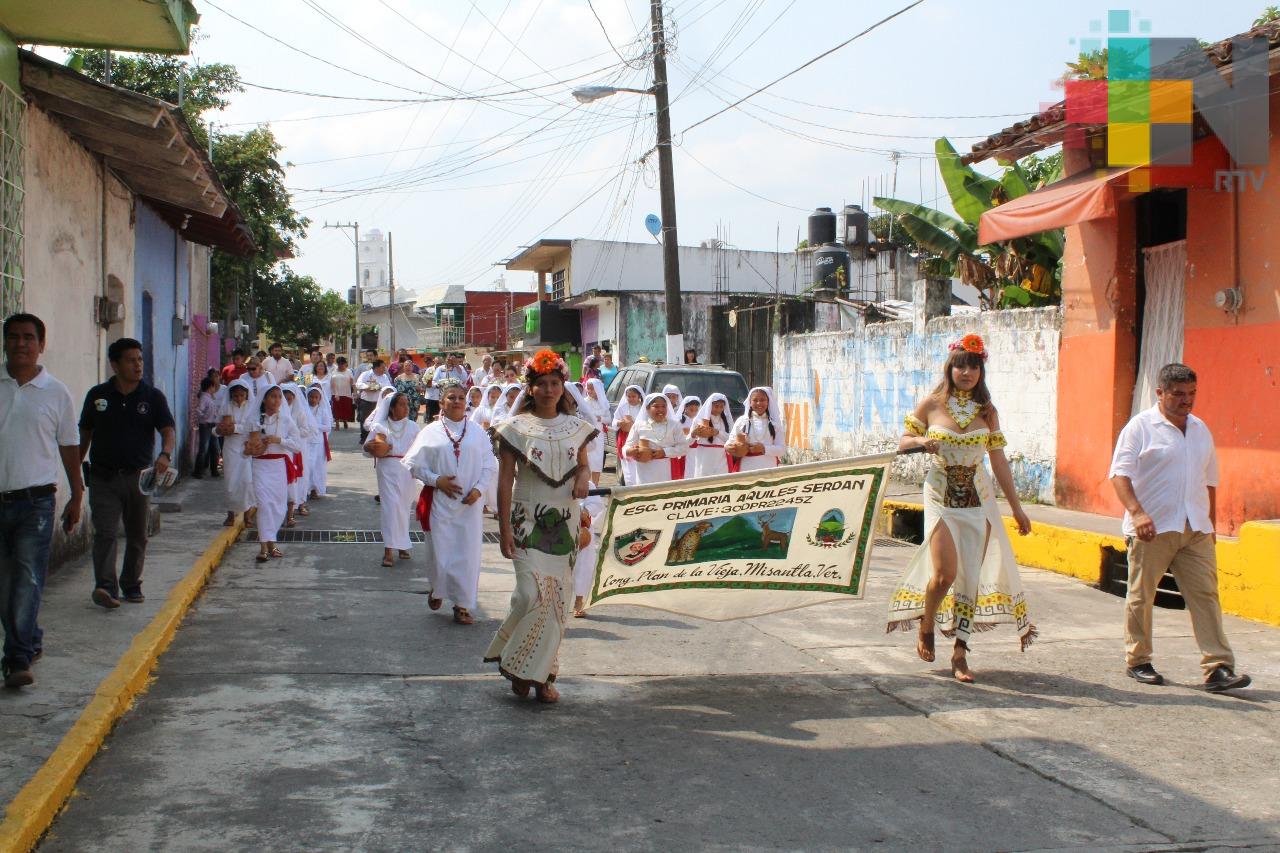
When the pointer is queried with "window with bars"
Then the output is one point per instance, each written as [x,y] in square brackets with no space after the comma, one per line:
[557,285]
[12,110]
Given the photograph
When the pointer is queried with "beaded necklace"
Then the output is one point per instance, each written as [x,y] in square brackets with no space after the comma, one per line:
[456,442]
[962,407]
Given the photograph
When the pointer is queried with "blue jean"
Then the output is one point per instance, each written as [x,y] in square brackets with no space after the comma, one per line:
[26,531]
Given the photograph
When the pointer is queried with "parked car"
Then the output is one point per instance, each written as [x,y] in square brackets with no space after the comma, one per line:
[697,380]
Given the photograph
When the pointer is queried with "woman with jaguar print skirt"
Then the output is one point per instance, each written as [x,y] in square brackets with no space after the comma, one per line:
[964,578]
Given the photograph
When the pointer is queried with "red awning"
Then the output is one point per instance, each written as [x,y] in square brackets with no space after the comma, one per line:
[1079,198]
[1092,194]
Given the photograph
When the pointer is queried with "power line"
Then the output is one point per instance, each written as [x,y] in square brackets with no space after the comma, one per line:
[310,55]
[690,154]
[612,46]
[794,71]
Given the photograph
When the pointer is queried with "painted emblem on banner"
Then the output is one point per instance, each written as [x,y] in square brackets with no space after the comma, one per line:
[631,548]
[749,536]
[831,532]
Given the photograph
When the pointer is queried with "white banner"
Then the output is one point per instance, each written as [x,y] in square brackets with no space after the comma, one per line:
[743,544]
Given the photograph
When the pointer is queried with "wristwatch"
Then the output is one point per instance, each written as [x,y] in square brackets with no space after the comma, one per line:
[166,454]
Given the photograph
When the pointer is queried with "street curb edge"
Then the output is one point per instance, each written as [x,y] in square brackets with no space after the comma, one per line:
[33,810]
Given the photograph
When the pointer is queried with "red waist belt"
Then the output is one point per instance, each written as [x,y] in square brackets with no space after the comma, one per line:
[328,456]
[425,498]
[291,470]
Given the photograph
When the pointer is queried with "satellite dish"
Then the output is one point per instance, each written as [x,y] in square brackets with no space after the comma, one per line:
[653,224]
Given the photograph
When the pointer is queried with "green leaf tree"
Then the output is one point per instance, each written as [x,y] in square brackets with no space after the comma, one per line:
[1014,273]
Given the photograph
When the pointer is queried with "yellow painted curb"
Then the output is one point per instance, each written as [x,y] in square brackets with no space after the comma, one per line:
[1248,579]
[31,812]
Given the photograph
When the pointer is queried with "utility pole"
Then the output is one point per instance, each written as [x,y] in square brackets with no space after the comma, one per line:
[359,292]
[391,297]
[666,188]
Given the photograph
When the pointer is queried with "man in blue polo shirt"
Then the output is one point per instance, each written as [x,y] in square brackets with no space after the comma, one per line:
[118,426]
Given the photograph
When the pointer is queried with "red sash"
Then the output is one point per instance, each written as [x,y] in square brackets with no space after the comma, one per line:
[677,467]
[735,462]
[425,498]
[621,440]
[297,467]
[291,472]
[328,456]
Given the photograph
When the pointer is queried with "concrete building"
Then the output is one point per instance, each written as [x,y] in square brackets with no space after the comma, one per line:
[375,271]
[1164,266]
[110,207]
[600,282]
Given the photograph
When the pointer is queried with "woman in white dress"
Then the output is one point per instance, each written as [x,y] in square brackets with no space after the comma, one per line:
[584,568]
[307,430]
[630,404]
[453,457]
[759,436]
[655,442]
[318,454]
[966,550]
[510,392]
[483,415]
[391,434]
[688,408]
[596,412]
[475,398]
[542,475]
[238,417]
[709,429]
[674,395]
[272,444]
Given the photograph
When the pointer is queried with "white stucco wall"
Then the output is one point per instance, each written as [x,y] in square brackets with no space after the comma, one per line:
[846,393]
[607,265]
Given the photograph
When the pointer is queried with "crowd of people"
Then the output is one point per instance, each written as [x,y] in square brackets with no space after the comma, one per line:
[527,443]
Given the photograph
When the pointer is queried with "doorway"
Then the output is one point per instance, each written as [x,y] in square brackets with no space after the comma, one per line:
[1161,288]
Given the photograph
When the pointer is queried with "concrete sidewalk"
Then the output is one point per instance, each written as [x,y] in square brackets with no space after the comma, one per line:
[315,703]
[83,642]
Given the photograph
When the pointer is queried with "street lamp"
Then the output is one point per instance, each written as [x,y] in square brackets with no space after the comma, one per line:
[666,179]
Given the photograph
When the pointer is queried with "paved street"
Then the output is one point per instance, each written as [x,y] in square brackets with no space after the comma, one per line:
[315,703]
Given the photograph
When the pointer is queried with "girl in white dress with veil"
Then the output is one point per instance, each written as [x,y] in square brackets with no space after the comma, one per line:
[391,434]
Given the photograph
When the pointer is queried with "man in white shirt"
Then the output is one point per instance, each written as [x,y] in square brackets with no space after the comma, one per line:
[279,368]
[38,431]
[1165,472]
[451,369]
[369,388]
[486,371]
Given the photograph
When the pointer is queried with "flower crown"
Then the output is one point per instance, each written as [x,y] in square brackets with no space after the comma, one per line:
[970,343]
[544,362]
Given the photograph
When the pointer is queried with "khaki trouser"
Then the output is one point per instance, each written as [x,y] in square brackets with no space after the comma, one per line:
[1191,558]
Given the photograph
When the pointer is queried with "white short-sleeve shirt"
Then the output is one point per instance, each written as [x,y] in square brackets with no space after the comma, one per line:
[35,420]
[1171,471]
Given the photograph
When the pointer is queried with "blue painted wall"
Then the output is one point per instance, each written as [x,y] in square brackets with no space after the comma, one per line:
[161,269]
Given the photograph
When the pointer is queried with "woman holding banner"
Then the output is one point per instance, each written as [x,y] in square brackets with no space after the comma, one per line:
[966,549]
[542,474]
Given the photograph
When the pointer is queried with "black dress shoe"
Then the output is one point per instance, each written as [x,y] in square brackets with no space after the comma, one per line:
[1223,678]
[1144,673]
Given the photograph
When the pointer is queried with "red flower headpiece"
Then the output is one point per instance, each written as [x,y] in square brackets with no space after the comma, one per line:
[544,362]
[971,343]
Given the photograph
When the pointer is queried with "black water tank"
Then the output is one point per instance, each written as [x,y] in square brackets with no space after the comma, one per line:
[831,268]
[857,226]
[822,227]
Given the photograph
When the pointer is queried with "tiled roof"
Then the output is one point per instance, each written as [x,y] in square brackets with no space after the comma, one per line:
[1048,127]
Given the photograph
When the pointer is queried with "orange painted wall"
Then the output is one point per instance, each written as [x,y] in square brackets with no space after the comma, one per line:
[1236,356]
[1096,362]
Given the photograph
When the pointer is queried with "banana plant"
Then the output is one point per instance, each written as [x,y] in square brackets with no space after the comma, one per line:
[1021,272]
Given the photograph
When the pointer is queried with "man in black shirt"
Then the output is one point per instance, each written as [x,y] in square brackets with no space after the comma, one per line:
[118,426]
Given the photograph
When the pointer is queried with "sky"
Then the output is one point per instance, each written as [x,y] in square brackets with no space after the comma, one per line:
[463,184]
